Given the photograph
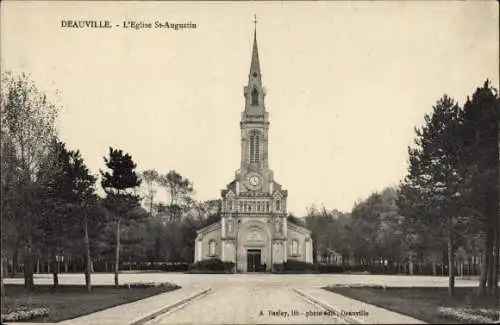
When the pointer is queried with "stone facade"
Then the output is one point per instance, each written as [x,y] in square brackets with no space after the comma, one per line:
[253,231]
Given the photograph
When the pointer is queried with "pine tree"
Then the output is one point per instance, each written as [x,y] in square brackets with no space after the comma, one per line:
[481,115]
[433,184]
[115,183]
[55,193]
[84,198]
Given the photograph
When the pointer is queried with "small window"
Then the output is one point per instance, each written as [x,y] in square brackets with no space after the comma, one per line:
[255,97]
[211,248]
[295,247]
[278,205]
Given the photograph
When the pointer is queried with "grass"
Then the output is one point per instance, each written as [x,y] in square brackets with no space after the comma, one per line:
[419,303]
[70,301]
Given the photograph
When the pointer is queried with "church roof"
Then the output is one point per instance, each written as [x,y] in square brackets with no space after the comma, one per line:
[209,228]
[230,187]
[298,228]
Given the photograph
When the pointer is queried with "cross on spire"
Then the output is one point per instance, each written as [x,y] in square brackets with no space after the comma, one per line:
[255,66]
[255,29]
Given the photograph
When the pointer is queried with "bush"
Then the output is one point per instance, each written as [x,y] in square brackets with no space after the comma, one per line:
[326,268]
[161,266]
[212,265]
[24,314]
[468,315]
[278,268]
[175,267]
[292,266]
[149,285]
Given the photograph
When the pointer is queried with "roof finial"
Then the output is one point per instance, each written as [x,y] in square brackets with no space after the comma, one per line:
[255,26]
[255,67]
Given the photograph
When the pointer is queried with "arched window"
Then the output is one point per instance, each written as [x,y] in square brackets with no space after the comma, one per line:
[257,148]
[211,248]
[254,147]
[278,205]
[295,247]
[255,97]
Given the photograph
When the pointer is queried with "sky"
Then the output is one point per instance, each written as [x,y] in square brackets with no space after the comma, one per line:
[346,84]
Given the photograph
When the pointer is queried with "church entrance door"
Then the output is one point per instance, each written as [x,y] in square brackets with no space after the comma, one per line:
[253,260]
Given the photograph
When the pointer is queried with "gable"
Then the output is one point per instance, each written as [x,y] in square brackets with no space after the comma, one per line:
[231,187]
[298,228]
[277,195]
[209,228]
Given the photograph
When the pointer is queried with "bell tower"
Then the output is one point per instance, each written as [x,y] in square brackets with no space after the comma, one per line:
[254,169]
[254,232]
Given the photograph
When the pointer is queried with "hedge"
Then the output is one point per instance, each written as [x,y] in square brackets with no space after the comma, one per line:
[292,266]
[213,266]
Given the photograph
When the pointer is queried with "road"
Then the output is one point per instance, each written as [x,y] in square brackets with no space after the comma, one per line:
[291,280]
[243,304]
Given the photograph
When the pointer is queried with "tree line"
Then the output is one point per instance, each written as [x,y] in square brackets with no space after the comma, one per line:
[446,207]
[51,213]
[443,212]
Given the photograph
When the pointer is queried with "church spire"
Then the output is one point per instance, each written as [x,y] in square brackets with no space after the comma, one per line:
[255,65]
[254,91]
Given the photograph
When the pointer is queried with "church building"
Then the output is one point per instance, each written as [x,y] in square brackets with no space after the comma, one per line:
[253,231]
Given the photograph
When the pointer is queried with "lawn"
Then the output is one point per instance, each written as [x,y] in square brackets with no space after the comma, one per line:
[70,301]
[421,303]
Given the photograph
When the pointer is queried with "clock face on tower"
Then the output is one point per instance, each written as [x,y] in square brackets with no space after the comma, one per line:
[253,181]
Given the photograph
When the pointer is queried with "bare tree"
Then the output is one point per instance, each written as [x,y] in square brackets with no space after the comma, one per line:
[151,179]
[27,128]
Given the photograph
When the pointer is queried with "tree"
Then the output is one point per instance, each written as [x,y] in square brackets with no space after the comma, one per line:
[376,236]
[27,130]
[115,183]
[179,189]
[85,200]
[9,175]
[66,191]
[329,230]
[321,226]
[435,176]
[420,232]
[151,178]
[54,190]
[480,134]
